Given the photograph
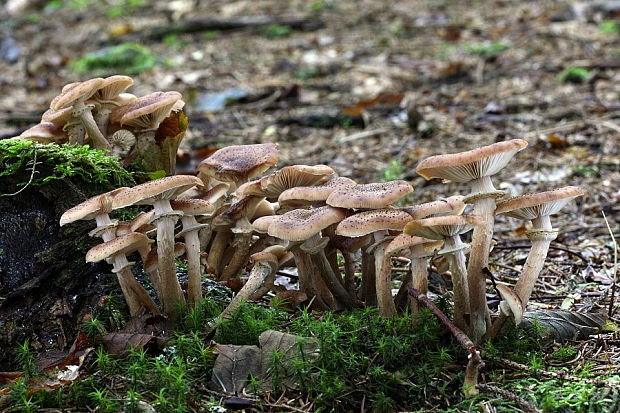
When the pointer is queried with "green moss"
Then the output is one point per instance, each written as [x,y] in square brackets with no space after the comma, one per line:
[61,162]
[126,58]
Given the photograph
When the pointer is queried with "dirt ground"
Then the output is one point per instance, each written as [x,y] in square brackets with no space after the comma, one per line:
[449,76]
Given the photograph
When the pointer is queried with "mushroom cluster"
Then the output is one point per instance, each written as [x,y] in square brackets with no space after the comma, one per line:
[340,235]
[98,112]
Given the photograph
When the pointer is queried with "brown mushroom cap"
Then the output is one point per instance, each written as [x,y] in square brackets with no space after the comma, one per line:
[163,188]
[404,241]
[76,91]
[100,204]
[453,205]
[45,132]
[536,205]
[367,222]
[125,244]
[272,185]
[305,195]
[301,224]
[193,206]
[141,222]
[377,195]
[112,87]
[243,208]
[262,224]
[146,112]
[439,228]
[470,165]
[58,117]
[240,162]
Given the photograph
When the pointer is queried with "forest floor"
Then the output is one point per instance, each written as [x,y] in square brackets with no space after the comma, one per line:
[370,88]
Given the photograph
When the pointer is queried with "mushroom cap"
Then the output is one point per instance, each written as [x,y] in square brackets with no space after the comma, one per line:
[141,222]
[300,196]
[301,224]
[146,112]
[112,86]
[193,206]
[376,195]
[216,193]
[467,166]
[453,205]
[439,228]
[367,222]
[45,132]
[243,208]
[262,224]
[511,304]
[240,162]
[149,192]
[404,241]
[76,91]
[540,204]
[125,244]
[272,185]
[89,209]
[58,117]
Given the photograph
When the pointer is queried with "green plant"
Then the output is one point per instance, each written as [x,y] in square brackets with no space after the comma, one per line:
[608,27]
[394,170]
[573,74]
[275,31]
[563,354]
[126,58]
[26,360]
[486,48]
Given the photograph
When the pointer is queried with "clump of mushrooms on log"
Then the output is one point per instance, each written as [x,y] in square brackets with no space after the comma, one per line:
[239,224]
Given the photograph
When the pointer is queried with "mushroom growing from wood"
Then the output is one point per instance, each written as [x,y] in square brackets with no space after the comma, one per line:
[476,168]
[537,208]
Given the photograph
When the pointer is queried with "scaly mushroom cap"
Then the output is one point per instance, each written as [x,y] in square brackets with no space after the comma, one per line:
[76,91]
[536,205]
[58,117]
[453,205]
[141,222]
[112,87]
[467,166]
[193,206]
[240,162]
[375,196]
[272,185]
[89,209]
[262,224]
[124,244]
[403,241]
[367,222]
[149,192]
[301,224]
[439,228]
[45,132]
[146,112]
[243,208]
[301,196]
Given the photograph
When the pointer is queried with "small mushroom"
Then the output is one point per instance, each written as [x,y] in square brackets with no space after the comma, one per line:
[75,95]
[537,208]
[45,132]
[369,196]
[63,118]
[476,168]
[107,98]
[304,196]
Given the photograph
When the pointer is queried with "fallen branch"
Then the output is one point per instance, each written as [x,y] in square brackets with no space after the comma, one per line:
[201,24]
[525,405]
[475,361]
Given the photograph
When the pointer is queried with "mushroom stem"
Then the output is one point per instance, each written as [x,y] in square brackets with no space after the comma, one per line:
[459,281]
[541,237]
[216,252]
[194,276]
[383,280]
[171,289]
[240,256]
[315,247]
[83,112]
[135,295]
[479,257]
[323,300]
[368,291]
[419,280]
[349,272]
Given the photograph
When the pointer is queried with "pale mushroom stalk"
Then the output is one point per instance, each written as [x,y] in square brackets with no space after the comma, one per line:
[239,257]
[322,300]
[135,295]
[216,252]
[462,297]
[419,276]
[192,246]
[479,257]
[383,280]
[171,289]
[84,113]
[76,132]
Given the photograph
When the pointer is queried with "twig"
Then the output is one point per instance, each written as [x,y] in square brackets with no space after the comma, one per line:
[475,361]
[552,247]
[364,134]
[33,170]
[525,405]
[615,270]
